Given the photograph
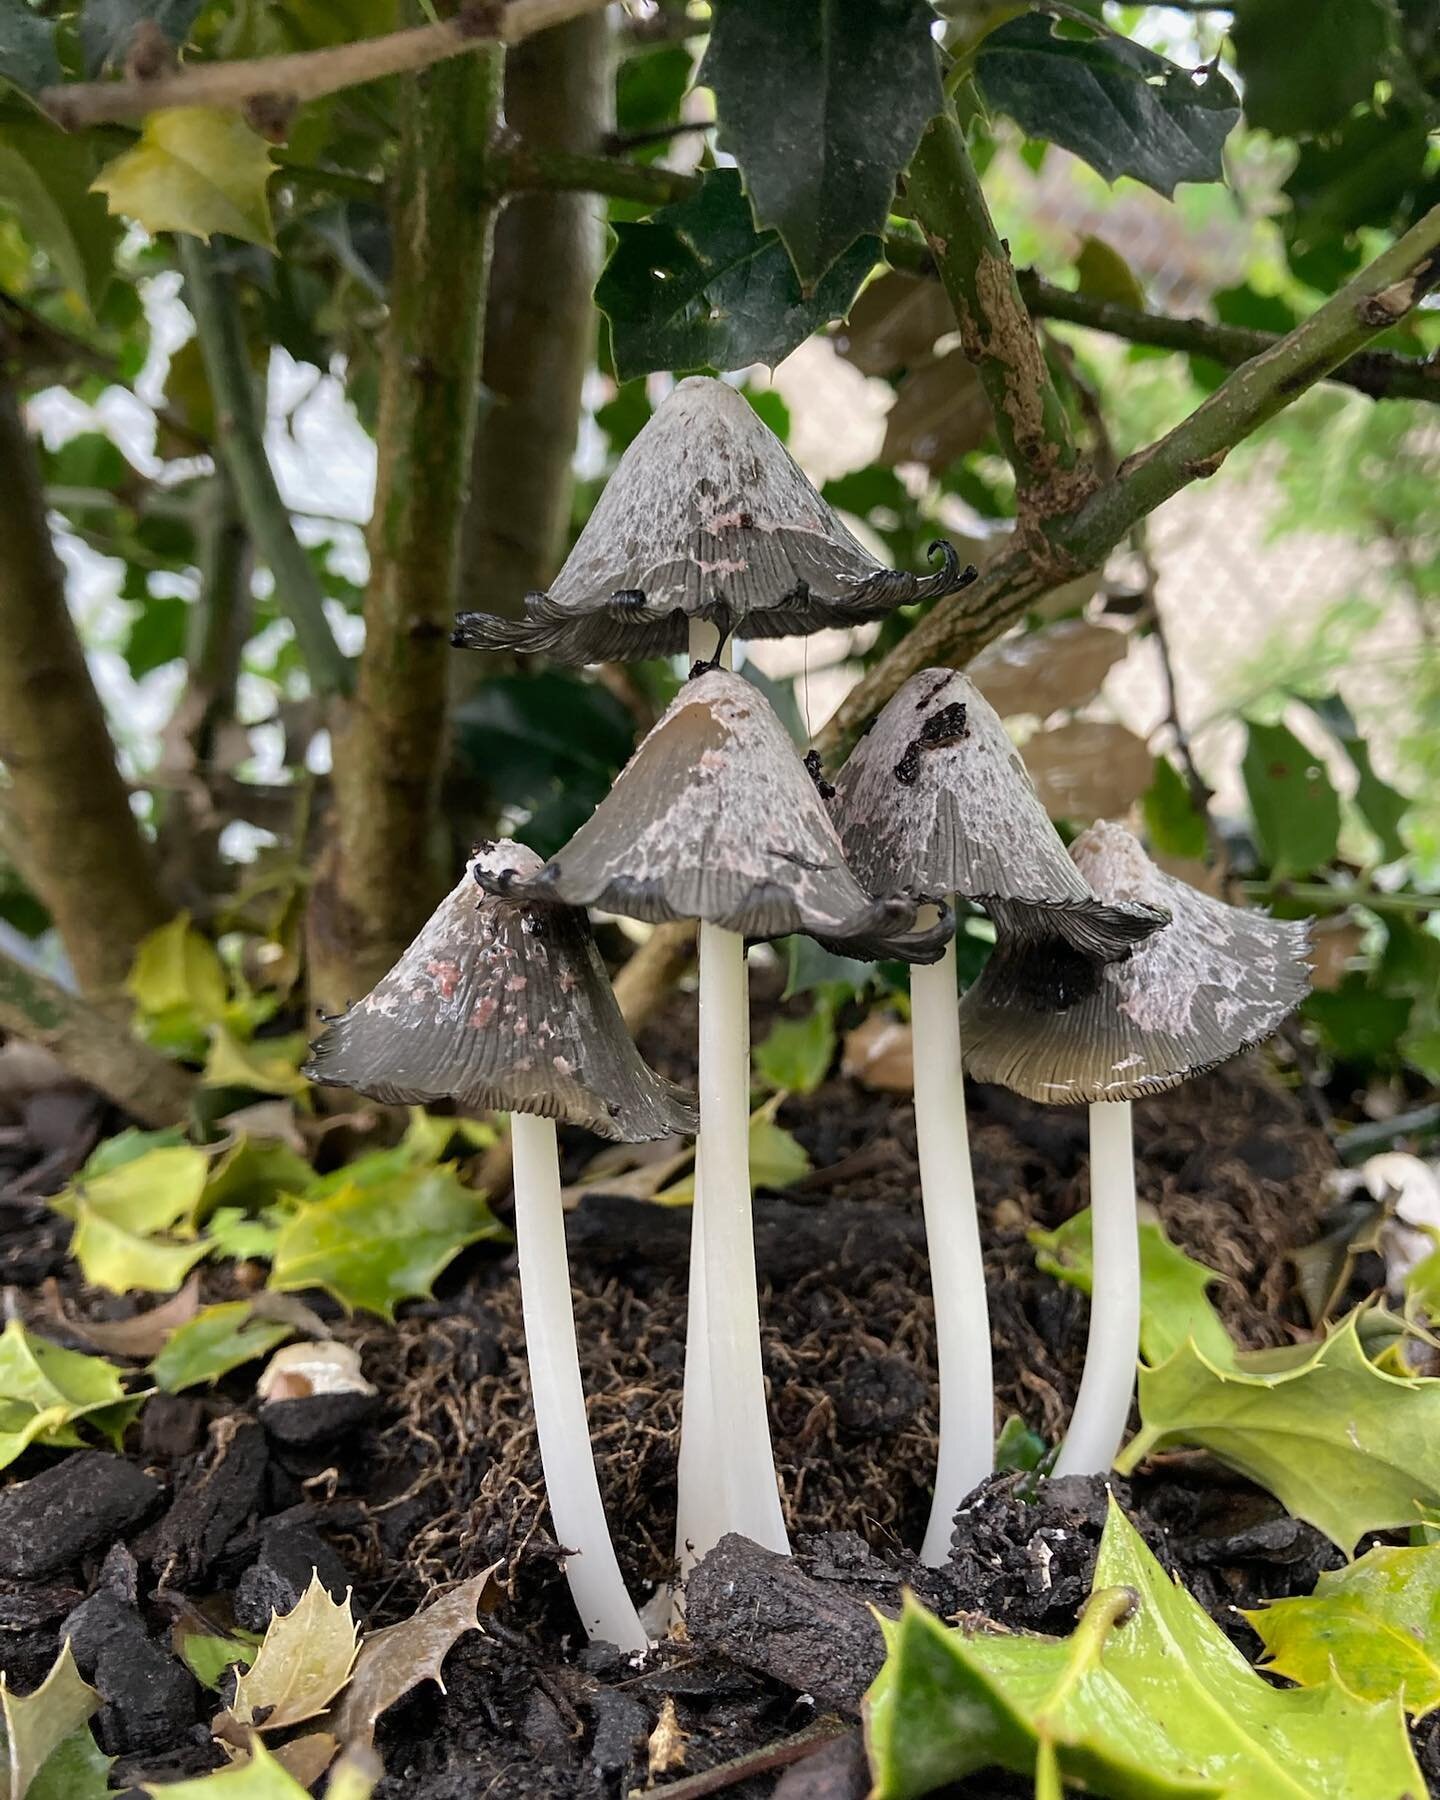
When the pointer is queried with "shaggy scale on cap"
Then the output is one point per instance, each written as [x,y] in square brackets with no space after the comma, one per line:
[1215,981]
[708,517]
[935,799]
[502,1007]
[716,818]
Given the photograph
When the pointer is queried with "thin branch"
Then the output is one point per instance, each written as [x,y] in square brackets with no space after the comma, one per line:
[518,167]
[240,430]
[310,74]
[92,1044]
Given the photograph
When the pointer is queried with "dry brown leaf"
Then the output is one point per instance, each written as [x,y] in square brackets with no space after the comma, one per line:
[304,1662]
[143,1336]
[894,323]
[940,413]
[1068,598]
[400,1657]
[666,1748]
[1043,671]
[1088,769]
[1334,943]
[879,1054]
[307,1758]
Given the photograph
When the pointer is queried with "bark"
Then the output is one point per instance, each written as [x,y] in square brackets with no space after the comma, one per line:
[539,330]
[383,870]
[65,805]
[93,1045]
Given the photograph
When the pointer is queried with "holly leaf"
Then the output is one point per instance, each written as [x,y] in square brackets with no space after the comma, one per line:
[1374,1624]
[36,1725]
[1174,1304]
[303,1662]
[178,984]
[1305,63]
[45,178]
[216,1340]
[796,1055]
[1339,1442]
[821,102]
[1122,108]
[209,1655]
[259,1777]
[27,47]
[697,286]
[1147,1699]
[108,26]
[266,1065]
[76,1769]
[194,170]
[1295,807]
[1381,806]
[135,1224]
[254,1172]
[399,1658]
[376,1244]
[1173,823]
[1104,274]
[46,1390]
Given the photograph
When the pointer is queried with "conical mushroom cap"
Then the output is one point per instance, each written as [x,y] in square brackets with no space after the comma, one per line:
[716,818]
[707,516]
[935,799]
[1214,981]
[502,1007]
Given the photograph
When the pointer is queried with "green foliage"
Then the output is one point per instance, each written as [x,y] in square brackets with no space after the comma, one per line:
[796,1054]
[1173,824]
[258,1777]
[1292,800]
[1305,63]
[208,1656]
[697,286]
[822,103]
[107,27]
[218,1339]
[1375,1625]
[1124,109]
[197,171]
[1146,1700]
[47,1391]
[27,47]
[1340,1444]
[39,1733]
[1175,1307]
[45,178]
[136,1224]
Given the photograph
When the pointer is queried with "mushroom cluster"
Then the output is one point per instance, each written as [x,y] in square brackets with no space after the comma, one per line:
[1108,978]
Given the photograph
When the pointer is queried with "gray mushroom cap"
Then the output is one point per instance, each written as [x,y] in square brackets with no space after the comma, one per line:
[936,799]
[1213,982]
[716,818]
[503,1007]
[707,516]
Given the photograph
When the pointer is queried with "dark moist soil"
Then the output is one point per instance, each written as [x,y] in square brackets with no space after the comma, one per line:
[224,1506]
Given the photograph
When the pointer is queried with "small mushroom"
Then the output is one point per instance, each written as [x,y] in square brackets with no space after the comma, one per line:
[1215,981]
[936,799]
[706,517]
[500,1005]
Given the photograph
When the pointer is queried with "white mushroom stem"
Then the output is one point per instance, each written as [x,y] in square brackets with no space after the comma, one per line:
[605,1608]
[957,1267]
[1107,1386]
[700,1499]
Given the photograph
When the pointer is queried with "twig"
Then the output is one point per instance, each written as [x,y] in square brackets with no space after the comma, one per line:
[1361,1141]
[779,1755]
[310,74]
[1337,897]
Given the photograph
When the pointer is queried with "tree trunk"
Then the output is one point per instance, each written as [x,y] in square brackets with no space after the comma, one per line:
[383,869]
[539,330]
[66,807]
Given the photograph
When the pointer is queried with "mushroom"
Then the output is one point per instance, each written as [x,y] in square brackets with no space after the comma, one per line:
[715,818]
[707,517]
[936,799]
[1215,981]
[502,1006]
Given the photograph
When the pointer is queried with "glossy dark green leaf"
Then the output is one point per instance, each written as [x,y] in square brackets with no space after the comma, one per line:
[822,103]
[1360,174]
[45,177]
[648,90]
[1121,107]
[157,634]
[697,286]
[1305,63]
[1173,824]
[107,27]
[1382,807]
[27,47]
[1295,807]
[1357,1022]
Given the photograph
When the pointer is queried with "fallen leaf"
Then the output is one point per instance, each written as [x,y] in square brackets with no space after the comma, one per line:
[268,1065]
[45,1391]
[35,1725]
[1341,1444]
[135,1222]
[194,170]
[208,1654]
[400,1657]
[796,1055]
[259,1777]
[1374,1624]
[1088,769]
[254,1172]
[880,1054]
[776,1158]
[305,1660]
[76,1769]
[940,413]
[1063,665]
[177,968]
[215,1341]
[1146,1700]
[307,1758]
[665,1749]
[1174,1302]
[143,1335]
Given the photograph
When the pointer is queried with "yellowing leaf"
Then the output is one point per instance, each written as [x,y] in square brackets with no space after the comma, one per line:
[259,1777]
[216,1340]
[208,1656]
[46,1390]
[1105,275]
[1340,1444]
[776,1158]
[194,170]
[1375,1625]
[1174,1305]
[374,1245]
[400,1657]
[35,1725]
[301,1666]
[135,1224]
[176,967]
[269,1066]
[254,1172]
[122,1262]
[1146,1700]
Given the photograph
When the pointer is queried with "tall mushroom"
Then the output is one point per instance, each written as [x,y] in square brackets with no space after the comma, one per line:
[1215,981]
[936,800]
[507,1007]
[715,818]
